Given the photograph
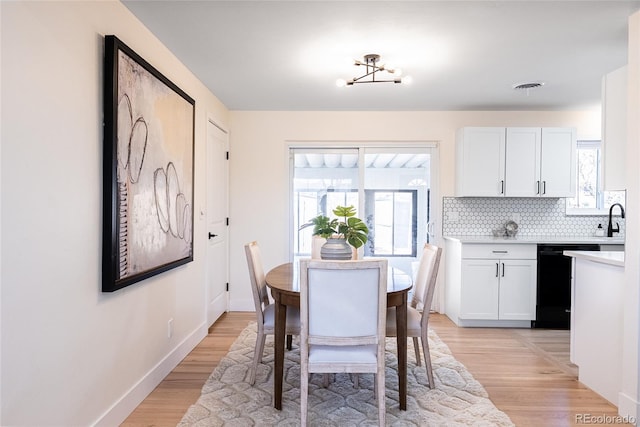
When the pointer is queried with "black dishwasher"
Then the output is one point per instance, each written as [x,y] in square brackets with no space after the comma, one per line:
[553,303]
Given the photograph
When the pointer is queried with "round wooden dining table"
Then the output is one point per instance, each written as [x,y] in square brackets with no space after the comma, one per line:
[284,283]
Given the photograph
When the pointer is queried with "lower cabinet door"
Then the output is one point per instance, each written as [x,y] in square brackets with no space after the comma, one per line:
[517,298]
[479,289]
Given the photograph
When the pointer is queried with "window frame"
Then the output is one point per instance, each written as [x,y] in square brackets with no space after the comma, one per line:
[600,209]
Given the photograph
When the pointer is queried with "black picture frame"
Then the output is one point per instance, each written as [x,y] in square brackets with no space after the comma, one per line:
[148,170]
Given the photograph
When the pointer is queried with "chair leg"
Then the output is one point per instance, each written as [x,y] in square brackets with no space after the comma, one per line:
[375,387]
[416,347]
[355,378]
[289,341]
[257,357]
[380,397]
[304,395]
[325,380]
[427,360]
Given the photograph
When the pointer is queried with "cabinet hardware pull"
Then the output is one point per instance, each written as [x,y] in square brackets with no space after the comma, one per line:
[500,252]
[537,187]
[497,269]
[503,269]
[211,235]
[544,187]
[502,187]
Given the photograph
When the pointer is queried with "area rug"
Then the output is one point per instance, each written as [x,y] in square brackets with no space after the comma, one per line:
[228,400]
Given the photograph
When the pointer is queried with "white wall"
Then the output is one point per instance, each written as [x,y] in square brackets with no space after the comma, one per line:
[72,355]
[629,399]
[260,169]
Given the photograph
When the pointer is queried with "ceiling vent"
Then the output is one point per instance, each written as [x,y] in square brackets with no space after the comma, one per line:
[528,86]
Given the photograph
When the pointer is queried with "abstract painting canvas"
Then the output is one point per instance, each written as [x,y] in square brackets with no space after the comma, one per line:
[148,170]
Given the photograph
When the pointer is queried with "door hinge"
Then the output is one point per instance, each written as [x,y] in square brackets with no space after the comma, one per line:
[227,221]
[227,155]
[227,286]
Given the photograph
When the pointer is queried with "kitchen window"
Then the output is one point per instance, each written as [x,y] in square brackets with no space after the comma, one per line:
[590,198]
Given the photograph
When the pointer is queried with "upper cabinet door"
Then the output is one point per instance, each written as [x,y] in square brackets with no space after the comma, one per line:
[480,162]
[522,176]
[614,129]
[558,162]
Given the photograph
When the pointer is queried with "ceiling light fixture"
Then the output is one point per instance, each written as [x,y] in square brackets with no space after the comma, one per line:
[371,62]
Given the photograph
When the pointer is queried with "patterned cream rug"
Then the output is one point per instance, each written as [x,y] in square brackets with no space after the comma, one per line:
[228,400]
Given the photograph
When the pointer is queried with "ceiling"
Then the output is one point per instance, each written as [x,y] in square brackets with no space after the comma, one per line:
[461,55]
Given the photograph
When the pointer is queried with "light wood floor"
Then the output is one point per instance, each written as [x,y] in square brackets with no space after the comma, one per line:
[527,373]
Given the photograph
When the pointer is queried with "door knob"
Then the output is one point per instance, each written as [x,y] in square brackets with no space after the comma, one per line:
[211,235]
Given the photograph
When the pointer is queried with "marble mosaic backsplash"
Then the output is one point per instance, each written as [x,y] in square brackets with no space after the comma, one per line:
[479,216]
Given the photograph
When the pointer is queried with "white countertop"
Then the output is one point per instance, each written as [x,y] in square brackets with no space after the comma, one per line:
[540,239]
[604,257]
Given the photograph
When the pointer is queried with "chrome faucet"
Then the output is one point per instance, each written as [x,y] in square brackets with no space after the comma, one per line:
[610,229]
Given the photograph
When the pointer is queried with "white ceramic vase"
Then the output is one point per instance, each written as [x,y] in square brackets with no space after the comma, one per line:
[337,249]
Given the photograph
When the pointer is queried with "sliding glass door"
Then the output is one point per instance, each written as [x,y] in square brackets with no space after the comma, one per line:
[390,187]
[322,179]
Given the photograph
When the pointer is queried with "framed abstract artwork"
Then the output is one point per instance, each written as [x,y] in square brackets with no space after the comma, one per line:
[148,170]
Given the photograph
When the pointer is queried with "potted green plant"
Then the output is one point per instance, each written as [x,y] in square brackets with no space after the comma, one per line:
[351,230]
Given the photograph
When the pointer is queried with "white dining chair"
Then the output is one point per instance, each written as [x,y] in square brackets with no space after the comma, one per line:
[342,314]
[265,310]
[418,310]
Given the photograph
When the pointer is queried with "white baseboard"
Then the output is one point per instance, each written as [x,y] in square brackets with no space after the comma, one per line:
[121,409]
[493,323]
[242,305]
[628,407]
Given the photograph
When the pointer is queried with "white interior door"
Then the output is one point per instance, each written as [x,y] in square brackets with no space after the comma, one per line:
[217,229]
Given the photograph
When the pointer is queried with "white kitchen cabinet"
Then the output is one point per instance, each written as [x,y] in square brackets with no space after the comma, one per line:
[490,284]
[515,162]
[614,129]
[480,161]
[558,162]
[522,163]
[479,296]
[517,300]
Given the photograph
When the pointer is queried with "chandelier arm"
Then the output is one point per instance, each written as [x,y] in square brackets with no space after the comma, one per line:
[376,81]
[355,79]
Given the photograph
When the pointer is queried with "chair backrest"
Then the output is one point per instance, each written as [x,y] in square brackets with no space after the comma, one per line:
[426,277]
[257,276]
[343,302]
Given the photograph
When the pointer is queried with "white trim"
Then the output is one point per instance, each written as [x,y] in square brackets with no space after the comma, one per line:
[213,121]
[289,205]
[124,406]
[223,304]
[526,324]
[628,407]
[591,211]
[438,302]
[387,143]
[245,304]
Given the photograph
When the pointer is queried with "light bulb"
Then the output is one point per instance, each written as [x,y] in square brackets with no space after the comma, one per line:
[407,80]
[341,83]
[397,71]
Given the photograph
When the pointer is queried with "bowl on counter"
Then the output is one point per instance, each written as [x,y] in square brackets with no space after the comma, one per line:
[511,228]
